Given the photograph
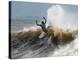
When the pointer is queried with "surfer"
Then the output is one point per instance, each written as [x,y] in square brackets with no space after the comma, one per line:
[43,25]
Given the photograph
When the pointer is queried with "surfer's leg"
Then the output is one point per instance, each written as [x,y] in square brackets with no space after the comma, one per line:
[42,35]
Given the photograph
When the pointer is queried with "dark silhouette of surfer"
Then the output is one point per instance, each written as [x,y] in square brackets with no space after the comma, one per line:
[43,25]
[54,40]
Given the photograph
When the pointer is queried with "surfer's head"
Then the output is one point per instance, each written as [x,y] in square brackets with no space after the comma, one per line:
[43,22]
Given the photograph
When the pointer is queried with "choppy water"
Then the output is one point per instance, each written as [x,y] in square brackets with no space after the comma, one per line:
[19,24]
[33,47]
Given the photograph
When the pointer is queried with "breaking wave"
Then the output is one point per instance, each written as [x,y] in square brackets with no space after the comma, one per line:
[33,42]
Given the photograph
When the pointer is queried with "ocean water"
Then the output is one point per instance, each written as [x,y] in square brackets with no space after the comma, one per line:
[31,45]
[34,46]
[19,24]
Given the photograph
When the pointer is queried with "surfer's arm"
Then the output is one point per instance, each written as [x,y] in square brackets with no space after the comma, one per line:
[37,23]
[44,19]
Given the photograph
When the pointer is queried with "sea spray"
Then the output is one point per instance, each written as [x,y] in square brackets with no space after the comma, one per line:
[54,15]
[58,17]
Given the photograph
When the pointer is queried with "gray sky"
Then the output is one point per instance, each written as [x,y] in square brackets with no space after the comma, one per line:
[23,10]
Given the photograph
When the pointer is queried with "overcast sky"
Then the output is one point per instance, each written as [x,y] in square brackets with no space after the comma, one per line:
[23,10]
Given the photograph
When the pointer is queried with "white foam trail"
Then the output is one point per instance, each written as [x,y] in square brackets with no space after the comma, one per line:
[69,49]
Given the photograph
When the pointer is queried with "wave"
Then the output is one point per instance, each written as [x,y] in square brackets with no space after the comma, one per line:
[33,42]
